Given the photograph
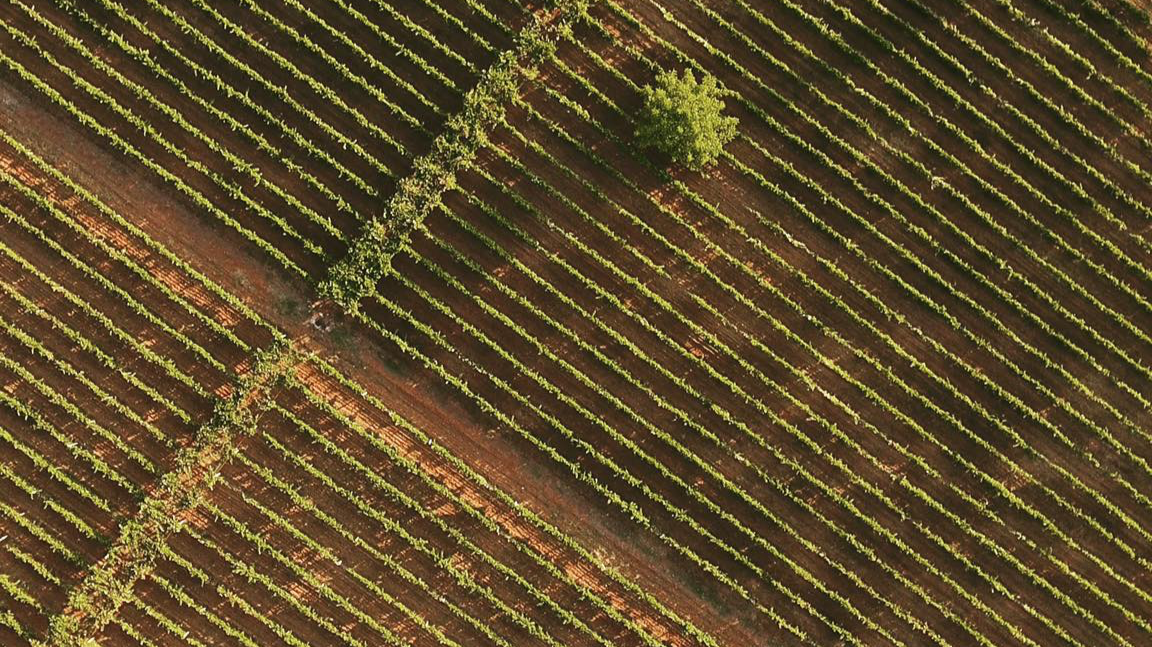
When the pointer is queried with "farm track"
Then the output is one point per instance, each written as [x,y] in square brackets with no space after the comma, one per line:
[614,595]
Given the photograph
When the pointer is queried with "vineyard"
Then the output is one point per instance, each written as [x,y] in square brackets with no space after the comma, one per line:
[370,322]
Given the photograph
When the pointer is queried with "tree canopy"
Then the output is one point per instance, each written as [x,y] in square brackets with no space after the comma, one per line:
[684,119]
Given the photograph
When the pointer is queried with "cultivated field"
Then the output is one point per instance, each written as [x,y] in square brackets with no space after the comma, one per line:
[878,377]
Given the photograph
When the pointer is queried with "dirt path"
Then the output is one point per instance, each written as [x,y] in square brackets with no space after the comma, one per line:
[417,395]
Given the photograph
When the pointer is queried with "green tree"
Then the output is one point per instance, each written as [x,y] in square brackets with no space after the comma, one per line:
[684,119]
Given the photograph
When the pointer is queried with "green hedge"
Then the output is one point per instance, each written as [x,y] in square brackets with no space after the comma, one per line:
[94,601]
[370,256]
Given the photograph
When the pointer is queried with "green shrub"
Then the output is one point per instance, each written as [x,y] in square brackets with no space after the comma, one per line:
[684,119]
